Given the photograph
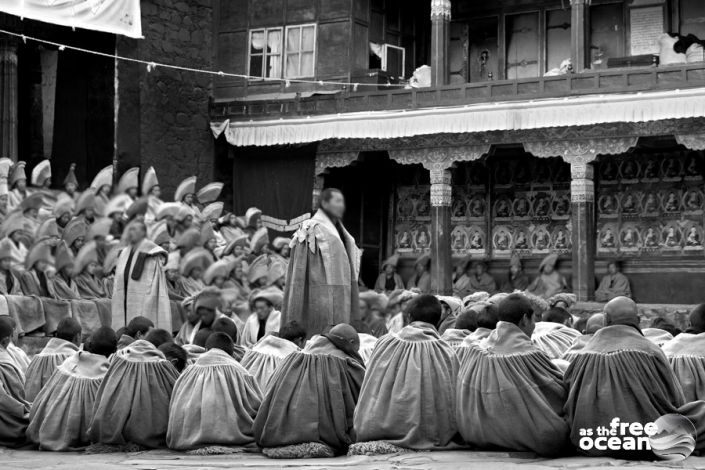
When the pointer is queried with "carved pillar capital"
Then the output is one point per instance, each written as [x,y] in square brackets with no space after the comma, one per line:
[334,160]
[441,189]
[692,141]
[440,9]
[585,150]
[582,187]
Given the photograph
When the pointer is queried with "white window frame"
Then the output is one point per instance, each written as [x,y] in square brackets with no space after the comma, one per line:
[264,53]
[385,49]
[300,52]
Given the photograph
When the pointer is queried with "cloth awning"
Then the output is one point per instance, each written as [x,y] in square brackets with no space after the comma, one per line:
[109,16]
[560,112]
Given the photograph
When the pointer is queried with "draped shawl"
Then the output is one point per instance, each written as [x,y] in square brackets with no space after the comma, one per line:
[262,360]
[249,332]
[14,408]
[553,338]
[686,353]
[43,365]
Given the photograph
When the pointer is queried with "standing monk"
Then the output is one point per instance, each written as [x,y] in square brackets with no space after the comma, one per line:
[321,284]
[140,286]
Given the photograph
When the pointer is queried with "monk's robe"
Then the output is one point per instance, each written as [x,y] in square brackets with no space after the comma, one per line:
[511,396]
[622,374]
[251,329]
[124,341]
[469,284]
[263,358]
[686,353]
[89,287]
[377,327]
[18,255]
[230,232]
[311,398]
[141,291]
[396,323]
[194,352]
[576,348]
[455,337]
[321,287]
[132,403]
[63,289]
[367,345]
[20,357]
[657,336]
[109,286]
[384,283]
[189,286]
[520,282]
[36,283]
[9,284]
[215,402]
[43,365]
[611,286]
[63,410]
[423,283]
[14,408]
[175,292]
[548,285]
[553,338]
[408,396]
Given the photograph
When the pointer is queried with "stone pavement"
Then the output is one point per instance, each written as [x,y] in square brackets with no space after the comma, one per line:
[169,460]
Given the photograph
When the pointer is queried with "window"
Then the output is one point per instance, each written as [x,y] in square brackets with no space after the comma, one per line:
[300,50]
[266,53]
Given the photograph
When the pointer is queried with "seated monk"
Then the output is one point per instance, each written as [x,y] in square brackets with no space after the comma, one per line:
[159,336]
[14,408]
[510,395]
[63,284]
[593,325]
[228,326]
[171,273]
[63,410]
[214,402]
[686,353]
[57,350]
[465,324]
[34,280]
[475,280]
[389,280]
[9,284]
[136,390]
[84,272]
[176,355]
[621,374]
[371,309]
[452,306]
[201,314]
[302,405]
[614,284]
[549,282]
[415,360]
[661,331]
[138,328]
[486,319]
[16,353]
[191,269]
[263,358]
[517,278]
[421,279]
[554,335]
[265,318]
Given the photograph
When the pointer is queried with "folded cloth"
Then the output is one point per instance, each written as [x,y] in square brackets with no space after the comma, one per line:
[576,348]
[43,365]
[553,338]
[408,396]
[455,337]
[262,360]
[194,352]
[214,402]
[63,410]
[686,353]
[657,336]
[20,357]
[311,398]
[367,345]
[14,408]
[132,403]
[27,311]
[54,312]
[85,312]
[510,395]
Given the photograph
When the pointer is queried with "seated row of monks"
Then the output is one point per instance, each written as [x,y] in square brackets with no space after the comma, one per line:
[498,378]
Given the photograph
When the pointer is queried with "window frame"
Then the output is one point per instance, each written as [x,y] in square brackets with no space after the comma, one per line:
[300,52]
[385,65]
[263,54]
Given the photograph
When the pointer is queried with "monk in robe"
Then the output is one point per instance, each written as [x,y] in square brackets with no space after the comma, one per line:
[475,280]
[369,308]
[138,328]
[34,280]
[614,284]
[321,287]
[63,410]
[621,374]
[421,279]
[302,405]
[549,282]
[202,313]
[9,284]
[62,284]
[171,273]
[140,287]
[510,395]
[109,266]
[422,417]
[58,349]
[265,319]
[192,266]
[517,278]
[686,353]
[263,358]
[465,324]
[214,402]
[14,408]
[554,335]
[452,306]
[85,266]
[389,280]
[18,185]
[487,320]
[229,327]
[136,390]
[176,355]
[13,229]
[399,320]
[593,325]
[16,353]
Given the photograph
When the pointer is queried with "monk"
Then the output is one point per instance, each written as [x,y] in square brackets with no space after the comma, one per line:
[228,326]
[265,319]
[595,323]
[140,288]
[510,395]
[686,353]
[388,279]
[9,284]
[214,402]
[136,390]
[370,305]
[34,280]
[138,328]
[554,335]
[421,279]
[86,264]
[622,374]
[465,324]
[321,287]
[614,284]
[63,285]
[14,408]
[176,355]
[57,350]
[550,282]
[517,278]
[423,416]
[452,306]
[203,312]
[476,280]
[263,358]
[302,405]
[63,410]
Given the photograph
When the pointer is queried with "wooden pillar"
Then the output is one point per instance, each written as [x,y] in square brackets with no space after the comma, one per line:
[580,32]
[440,42]
[8,99]
[441,257]
[582,195]
[318,182]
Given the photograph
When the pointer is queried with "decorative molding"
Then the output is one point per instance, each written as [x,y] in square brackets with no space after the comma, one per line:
[318,183]
[438,158]
[441,189]
[334,160]
[582,171]
[582,190]
[581,151]
[692,141]
[440,9]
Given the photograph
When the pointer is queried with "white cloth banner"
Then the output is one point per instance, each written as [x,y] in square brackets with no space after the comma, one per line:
[110,16]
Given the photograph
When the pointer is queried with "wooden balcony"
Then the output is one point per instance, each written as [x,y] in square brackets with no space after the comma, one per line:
[631,80]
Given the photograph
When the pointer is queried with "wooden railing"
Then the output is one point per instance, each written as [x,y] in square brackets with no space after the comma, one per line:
[588,83]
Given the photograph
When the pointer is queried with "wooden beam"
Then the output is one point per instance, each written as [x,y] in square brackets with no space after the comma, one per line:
[579,32]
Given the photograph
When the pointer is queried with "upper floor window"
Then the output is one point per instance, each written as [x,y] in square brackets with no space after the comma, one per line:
[300,51]
[266,53]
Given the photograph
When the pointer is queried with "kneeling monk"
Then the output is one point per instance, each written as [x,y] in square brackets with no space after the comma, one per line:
[408,397]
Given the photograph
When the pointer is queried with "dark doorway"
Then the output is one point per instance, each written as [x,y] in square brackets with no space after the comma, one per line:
[367,186]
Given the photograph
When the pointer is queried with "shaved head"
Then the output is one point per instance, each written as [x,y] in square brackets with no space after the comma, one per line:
[697,317]
[621,311]
[7,327]
[595,323]
[467,320]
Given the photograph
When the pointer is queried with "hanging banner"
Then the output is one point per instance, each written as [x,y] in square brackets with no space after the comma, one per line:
[110,16]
